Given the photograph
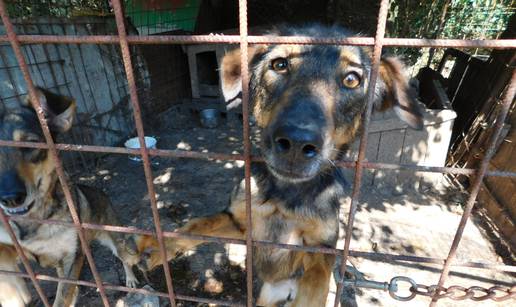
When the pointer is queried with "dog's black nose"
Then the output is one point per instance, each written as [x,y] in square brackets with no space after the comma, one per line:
[297,142]
[12,189]
[14,199]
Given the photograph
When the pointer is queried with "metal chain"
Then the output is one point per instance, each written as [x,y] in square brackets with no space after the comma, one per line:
[458,293]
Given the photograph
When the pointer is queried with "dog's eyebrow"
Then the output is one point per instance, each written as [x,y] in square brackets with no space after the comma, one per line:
[350,58]
[357,65]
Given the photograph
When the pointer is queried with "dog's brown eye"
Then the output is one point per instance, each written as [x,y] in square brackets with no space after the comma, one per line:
[280,64]
[351,80]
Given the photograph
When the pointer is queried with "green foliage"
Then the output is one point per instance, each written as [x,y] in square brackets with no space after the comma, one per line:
[464,19]
[56,8]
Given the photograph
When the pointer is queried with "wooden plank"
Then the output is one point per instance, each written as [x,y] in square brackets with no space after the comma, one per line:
[505,156]
[495,211]
[192,65]
[373,146]
[392,122]
[389,151]
[391,145]
[438,141]
[198,89]
[503,189]
[413,152]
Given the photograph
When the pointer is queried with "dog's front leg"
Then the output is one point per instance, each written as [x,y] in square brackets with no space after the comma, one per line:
[70,267]
[217,225]
[313,286]
[13,290]
[5,238]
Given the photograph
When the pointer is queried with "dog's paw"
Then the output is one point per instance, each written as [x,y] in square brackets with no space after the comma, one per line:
[281,291]
[131,283]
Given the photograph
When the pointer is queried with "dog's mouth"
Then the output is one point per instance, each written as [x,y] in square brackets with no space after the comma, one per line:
[290,176]
[19,210]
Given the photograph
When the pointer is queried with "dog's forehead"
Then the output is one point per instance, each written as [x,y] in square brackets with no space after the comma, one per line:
[330,54]
[17,122]
[320,54]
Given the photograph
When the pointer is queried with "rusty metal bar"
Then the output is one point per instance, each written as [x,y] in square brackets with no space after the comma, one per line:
[477,183]
[377,53]
[15,44]
[246,138]
[235,39]
[313,249]
[121,288]
[126,55]
[173,153]
[243,39]
[23,257]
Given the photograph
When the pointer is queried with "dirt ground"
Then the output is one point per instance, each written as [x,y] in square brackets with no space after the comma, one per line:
[418,223]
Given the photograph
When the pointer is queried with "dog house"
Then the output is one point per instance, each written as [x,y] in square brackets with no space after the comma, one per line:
[203,61]
[392,141]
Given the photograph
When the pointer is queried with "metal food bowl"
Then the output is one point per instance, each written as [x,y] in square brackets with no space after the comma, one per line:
[209,118]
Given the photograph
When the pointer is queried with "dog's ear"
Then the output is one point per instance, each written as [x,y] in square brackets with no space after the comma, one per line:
[59,110]
[230,74]
[395,93]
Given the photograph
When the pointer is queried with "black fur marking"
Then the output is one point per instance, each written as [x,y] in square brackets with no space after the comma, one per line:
[302,196]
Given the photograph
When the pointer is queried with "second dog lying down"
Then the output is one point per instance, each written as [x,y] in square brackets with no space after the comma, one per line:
[29,187]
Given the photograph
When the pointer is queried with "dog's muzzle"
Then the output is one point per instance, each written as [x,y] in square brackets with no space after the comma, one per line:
[295,141]
[13,194]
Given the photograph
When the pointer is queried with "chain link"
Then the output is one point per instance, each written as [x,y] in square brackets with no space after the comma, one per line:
[458,293]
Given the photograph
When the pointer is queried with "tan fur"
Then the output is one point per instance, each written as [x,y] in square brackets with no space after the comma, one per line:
[348,56]
[13,290]
[344,135]
[300,232]
[388,73]
[314,284]
[230,70]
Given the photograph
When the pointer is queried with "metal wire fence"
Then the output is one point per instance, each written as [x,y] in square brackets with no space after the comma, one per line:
[124,40]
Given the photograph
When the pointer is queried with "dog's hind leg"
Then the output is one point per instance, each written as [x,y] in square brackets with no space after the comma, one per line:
[70,267]
[313,286]
[13,290]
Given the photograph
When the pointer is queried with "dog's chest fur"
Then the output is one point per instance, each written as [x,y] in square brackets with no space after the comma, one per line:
[50,243]
[289,214]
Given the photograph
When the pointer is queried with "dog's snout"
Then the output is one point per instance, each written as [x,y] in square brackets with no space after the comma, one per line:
[15,199]
[12,189]
[297,142]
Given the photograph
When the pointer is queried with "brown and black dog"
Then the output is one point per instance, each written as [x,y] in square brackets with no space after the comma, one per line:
[308,101]
[29,187]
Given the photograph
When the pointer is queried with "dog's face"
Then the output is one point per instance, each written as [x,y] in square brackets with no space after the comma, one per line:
[308,99]
[27,175]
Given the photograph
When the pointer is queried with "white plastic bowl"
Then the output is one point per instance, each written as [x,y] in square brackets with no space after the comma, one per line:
[134,143]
